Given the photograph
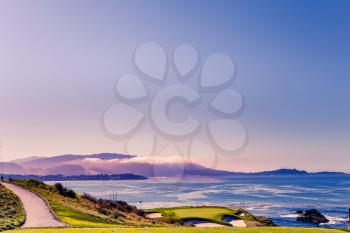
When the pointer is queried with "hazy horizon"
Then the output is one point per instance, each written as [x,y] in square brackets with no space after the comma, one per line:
[144,159]
[59,62]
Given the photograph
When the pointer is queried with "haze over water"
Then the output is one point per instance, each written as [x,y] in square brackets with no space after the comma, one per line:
[275,197]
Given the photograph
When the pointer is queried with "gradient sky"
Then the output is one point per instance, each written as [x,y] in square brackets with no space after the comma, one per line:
[59,61]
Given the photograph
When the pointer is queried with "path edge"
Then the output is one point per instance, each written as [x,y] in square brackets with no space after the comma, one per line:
[46,202]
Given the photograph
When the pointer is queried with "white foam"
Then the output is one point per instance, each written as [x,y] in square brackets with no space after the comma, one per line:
[289,216]
[334,220]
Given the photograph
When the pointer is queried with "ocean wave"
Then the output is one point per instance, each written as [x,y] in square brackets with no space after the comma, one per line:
[271,198]
[289,216]
[334,220]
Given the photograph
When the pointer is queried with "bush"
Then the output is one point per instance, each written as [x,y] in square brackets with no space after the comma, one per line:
[116,214]
[113,209]
[140,212]
[70,194]
[35,183]
[60,189]
[89,198]
[64,191]
[11,210]
[102,210]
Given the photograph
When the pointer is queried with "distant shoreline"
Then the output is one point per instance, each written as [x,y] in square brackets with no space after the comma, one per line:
[131,176]
[125,176]
[105,163]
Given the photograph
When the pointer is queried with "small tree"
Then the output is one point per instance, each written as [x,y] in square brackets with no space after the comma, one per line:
[70,193]
[65,192]
[60,189]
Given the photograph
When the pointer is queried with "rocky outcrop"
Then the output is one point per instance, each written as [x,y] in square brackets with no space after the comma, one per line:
[311,216]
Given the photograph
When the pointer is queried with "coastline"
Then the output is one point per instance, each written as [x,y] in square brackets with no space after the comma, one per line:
[274,197]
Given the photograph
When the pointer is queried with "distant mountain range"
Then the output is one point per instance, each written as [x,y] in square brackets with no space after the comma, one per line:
[111,163]
[292,172]
[78,177]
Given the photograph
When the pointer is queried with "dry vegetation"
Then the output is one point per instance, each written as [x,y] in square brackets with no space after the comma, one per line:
[11,210]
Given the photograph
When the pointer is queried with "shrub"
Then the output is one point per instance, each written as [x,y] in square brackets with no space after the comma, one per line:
[70,193]
[60,189]
[102,210]
[64,191]
[11,211]
[140,212]
[35,183]
[117,214]
[89,198]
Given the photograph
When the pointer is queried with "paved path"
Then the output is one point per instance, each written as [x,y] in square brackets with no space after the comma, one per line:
[38,213]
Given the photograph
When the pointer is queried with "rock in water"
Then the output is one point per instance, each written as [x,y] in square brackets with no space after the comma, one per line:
[312,216]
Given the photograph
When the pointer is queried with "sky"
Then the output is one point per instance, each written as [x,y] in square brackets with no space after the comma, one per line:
[59,62]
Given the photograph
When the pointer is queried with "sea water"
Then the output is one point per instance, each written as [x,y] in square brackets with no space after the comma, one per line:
[274,197]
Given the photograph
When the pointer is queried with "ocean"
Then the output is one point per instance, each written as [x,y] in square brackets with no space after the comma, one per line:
[274,197]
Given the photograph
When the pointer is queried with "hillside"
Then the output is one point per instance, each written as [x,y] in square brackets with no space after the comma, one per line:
[11,211]
[127,176]
[12,168]
[110,163]
[85,211]
[105,163]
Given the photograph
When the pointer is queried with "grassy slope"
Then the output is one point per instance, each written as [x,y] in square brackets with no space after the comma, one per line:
[11,211]
[80,212]
[213,214]
[179,230]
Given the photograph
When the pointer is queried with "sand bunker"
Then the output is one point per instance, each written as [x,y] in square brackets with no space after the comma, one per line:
[234,221]
[154,215]
[238,223]
[202,223]
[208,224]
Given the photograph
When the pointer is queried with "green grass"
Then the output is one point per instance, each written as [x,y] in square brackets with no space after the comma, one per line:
[11,211]
[85,219]
[179,230]
[77,218]
[213,214]
[200,212]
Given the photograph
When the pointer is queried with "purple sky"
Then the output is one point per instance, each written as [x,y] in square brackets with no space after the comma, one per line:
[59,61]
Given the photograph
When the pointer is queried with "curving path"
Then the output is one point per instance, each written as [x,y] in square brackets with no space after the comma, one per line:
[37,211]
